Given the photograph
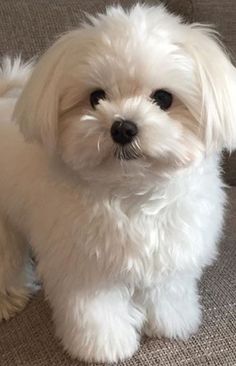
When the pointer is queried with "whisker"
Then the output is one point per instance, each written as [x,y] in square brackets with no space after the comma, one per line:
[99,141]
[88,117]
[128,152]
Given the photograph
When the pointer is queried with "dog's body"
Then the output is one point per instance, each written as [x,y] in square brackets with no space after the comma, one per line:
[120,243]
[141,257]
[17,278]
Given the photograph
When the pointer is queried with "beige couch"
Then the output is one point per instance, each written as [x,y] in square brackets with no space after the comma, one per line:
[29,26]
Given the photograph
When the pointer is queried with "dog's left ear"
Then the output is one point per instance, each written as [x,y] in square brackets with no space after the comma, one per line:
[217,80]
[37,110]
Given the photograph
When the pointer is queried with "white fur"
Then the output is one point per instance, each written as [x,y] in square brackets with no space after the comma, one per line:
[17,278]
[121,244]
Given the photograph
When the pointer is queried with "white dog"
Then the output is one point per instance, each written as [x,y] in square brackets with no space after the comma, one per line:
[117,186]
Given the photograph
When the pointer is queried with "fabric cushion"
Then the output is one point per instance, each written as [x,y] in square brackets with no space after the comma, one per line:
[28,339]
[29,26]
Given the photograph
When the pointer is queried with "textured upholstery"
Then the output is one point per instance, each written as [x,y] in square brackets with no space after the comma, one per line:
[29,26]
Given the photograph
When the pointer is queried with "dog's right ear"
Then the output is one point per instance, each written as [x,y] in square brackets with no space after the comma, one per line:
[38,107]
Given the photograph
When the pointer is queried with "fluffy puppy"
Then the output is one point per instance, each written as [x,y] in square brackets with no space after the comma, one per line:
[117,184]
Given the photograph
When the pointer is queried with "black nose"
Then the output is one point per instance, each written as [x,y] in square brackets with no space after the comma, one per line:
[123,131]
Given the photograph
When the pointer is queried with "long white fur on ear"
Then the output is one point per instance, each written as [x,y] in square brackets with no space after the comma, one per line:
[37,109]
[217,77]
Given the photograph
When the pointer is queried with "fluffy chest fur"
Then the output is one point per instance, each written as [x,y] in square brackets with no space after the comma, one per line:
[138,238]
[101,232]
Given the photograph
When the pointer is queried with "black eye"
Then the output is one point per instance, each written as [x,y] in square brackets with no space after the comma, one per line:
[96,96]
[162,98]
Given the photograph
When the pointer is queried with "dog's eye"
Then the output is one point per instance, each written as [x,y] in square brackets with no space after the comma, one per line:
[162,98]
[96,96]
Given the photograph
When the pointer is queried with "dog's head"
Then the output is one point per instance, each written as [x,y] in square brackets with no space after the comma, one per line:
[132,91]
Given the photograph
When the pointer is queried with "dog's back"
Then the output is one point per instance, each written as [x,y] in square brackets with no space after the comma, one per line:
[13,76]
[15,266]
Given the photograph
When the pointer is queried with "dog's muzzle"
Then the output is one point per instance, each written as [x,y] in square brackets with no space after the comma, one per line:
[123,131]
[124,134]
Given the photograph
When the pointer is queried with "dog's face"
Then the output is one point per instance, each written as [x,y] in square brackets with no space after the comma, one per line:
[131,93]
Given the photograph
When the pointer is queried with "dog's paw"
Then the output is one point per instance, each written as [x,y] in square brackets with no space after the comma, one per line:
[101,328]
[113,346]
[174,322]
[13,301]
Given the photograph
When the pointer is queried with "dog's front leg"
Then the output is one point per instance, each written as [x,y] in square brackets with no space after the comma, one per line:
[98,326]
[172,307]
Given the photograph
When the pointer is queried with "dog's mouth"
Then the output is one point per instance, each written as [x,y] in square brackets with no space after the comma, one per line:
[129,151]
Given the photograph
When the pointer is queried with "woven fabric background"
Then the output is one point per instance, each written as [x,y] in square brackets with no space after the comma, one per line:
[30,26]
